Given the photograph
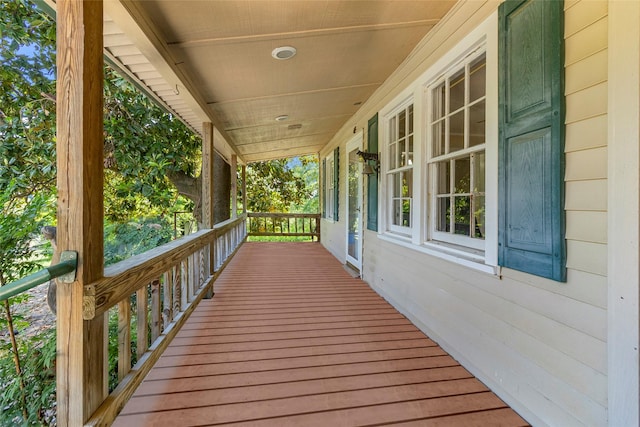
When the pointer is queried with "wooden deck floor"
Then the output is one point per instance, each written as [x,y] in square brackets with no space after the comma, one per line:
[291,339]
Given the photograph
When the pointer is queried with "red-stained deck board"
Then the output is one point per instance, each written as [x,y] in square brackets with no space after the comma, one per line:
[291,339]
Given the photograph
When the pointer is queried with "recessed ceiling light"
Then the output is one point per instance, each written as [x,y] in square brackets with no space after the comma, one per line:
[284,52]
[357,103]
[282,118]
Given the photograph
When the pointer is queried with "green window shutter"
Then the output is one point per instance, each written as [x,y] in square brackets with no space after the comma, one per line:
[336,183]
[531,143]
[372,179]
[324,188]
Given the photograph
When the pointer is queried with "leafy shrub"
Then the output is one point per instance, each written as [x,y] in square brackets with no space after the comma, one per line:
[38,355]
[124,240]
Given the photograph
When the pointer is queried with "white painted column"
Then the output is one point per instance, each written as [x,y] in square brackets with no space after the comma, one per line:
[624,213]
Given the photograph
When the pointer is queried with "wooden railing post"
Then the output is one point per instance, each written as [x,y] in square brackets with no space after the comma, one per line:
[81,344]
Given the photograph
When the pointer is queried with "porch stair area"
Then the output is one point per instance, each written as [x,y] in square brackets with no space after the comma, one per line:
[291,339]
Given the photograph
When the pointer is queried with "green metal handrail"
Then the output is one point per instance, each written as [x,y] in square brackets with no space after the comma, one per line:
[66,269]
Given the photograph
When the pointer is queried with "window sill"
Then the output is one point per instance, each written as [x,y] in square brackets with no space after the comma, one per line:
[469,258]
[330,220]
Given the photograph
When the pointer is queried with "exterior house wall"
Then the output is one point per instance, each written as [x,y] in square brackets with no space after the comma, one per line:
[541,345]
[333,235]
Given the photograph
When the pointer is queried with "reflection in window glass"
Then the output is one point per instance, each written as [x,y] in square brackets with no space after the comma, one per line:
[400,172]
[457,135]
[456,91]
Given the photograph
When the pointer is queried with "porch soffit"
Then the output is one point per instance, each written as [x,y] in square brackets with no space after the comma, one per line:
[211,61]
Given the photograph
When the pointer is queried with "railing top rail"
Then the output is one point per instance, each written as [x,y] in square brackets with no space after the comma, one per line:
[282,215]
[104,293]
[68,264]
[134,272]
[223,226]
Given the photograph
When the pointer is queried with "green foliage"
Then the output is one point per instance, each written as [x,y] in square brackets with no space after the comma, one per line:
[38,356]
[27,100]
[307,170]
[122,241]
[19,219]
[144,145]
[283,185]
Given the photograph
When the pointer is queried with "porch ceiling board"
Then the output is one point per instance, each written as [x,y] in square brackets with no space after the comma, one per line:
[220,52]
[290,338]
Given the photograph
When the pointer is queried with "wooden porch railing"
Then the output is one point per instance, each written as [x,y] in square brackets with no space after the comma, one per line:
[172,278]
[284,224]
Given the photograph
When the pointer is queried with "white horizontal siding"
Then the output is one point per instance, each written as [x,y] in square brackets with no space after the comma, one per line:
[540,344]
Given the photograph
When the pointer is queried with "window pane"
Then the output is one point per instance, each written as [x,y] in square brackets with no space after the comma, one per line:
[402,156]
[444,177]
[478,172]
[392,130]
[462,169]
[478,216]
[476,124]
[397,184]
[438,102]
[456,132]
[410,151]
[397,211]
[402,123]
[477,79]
[411,119]
[462,215]
[407,184]
[392,156]
[442,214]
[438,135]
[456,91]
[406,212]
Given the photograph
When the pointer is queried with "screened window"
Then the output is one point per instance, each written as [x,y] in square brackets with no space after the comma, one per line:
[457,154]
[400,170]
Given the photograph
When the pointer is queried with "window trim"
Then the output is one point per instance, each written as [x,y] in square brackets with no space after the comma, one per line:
[485,34]
[431,233]
[387,173]
[329,187]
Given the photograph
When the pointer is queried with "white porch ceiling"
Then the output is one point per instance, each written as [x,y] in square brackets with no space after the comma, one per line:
[211,61]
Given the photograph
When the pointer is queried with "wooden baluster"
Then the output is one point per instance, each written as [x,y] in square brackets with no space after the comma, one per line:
[167,301]
[177,289]
[201,264]
[141,320]
[194,275]
[156,310]
[124,338]
[184,285]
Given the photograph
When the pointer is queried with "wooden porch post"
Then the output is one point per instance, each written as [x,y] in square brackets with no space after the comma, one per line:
[234,186]
[208,161]
[81,345]
[244,189]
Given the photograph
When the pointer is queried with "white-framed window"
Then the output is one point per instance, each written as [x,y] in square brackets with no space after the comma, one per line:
[445,202]
[399,170]
[329,186]
[456,142]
